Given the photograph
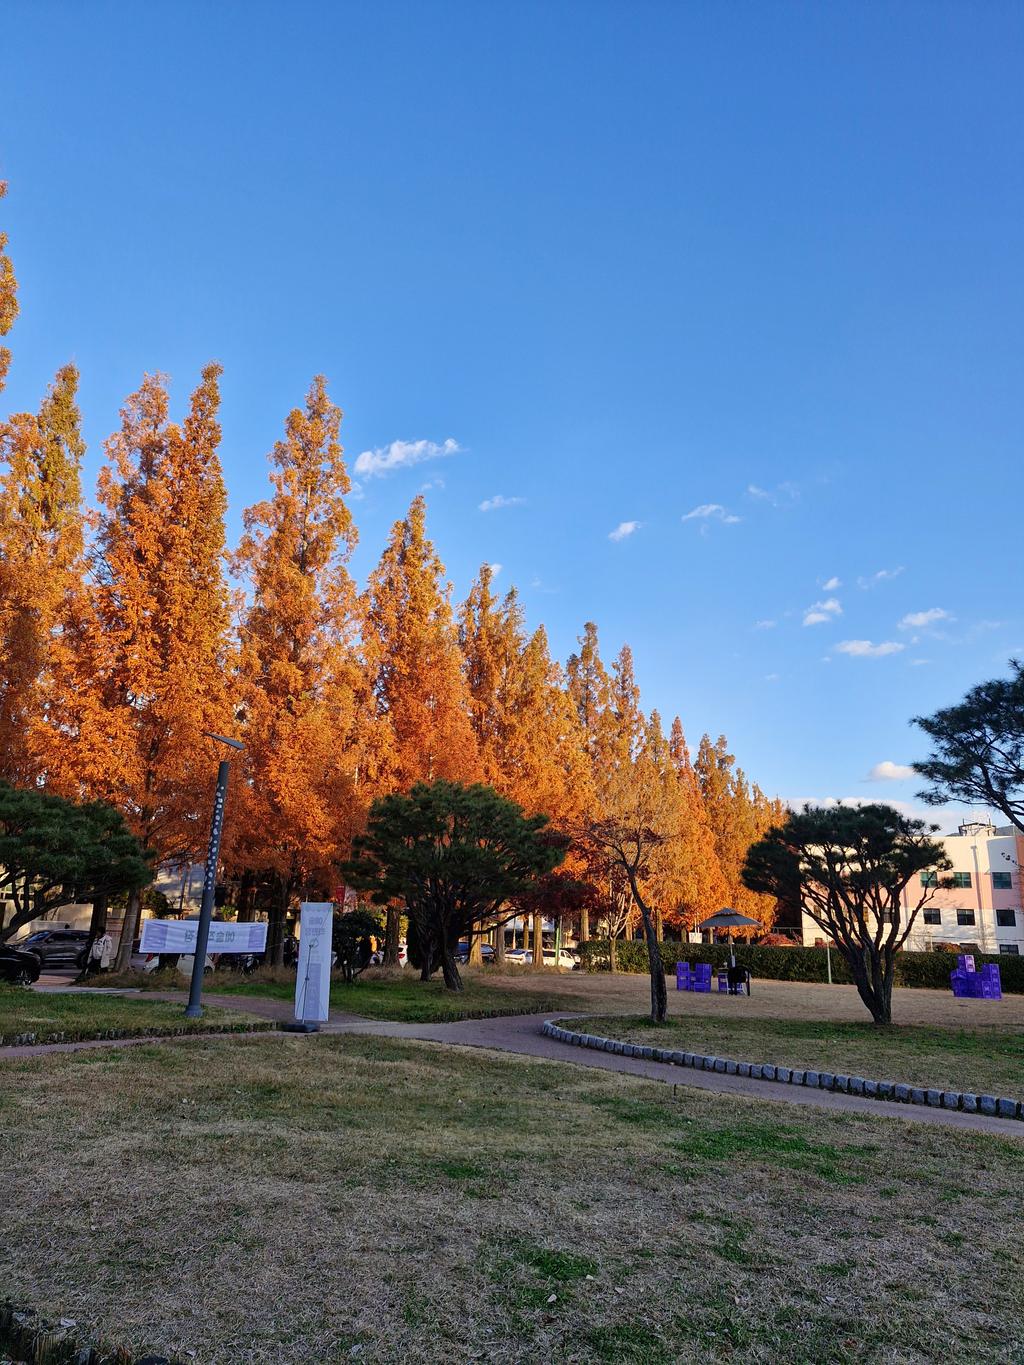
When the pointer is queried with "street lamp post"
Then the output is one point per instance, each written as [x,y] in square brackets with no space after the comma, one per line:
[194,1008]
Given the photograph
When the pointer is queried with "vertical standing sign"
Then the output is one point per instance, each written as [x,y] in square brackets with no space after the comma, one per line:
[313,982]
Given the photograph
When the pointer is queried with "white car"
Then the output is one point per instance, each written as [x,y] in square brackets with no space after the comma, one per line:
[523,957]
[378,957]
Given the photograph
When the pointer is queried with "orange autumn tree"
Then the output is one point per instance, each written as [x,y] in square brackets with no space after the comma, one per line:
[737,817]
[526,726]
[8,298]
[300,687]
[420,695]
[413,651]
[41,565]
[703,889]
[145,659]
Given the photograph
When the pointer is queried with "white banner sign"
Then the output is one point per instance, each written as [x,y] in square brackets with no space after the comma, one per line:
[313,983]
[179,936]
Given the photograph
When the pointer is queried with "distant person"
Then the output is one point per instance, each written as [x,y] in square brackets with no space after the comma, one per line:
[100,953]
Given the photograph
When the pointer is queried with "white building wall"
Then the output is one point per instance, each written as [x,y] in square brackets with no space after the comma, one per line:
[986,856]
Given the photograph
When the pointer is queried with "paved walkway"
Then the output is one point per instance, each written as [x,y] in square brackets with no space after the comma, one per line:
[521,1034]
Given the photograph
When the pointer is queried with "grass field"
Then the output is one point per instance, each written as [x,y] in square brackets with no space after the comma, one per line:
[67,1017]
[402,996]
[989,1061]
[425,1204]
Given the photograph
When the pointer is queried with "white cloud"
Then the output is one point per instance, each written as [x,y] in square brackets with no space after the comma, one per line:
[887,771]
[756,492]
[864,649]
[372,464]
[624,529]
[781,493]
[771,677]
[915,620]
[765,625]
[708,510]
[832,584]
[819,612]
[499,500]
[882,576]
[919,663]
[495,569]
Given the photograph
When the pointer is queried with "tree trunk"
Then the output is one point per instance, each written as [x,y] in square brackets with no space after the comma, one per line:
[246,892]
[584,925]
[450,968]
[874,984]
[659,925]
[276,915]
[538,942]
[476,949]
[129,926]
[392,926]
[97,926]
[499,946]
[613,965]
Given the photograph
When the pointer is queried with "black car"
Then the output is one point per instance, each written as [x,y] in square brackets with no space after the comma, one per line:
[17,966]
[487,953]
[57,947]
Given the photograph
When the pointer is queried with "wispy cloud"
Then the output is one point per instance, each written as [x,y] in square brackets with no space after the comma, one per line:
[831,584]
[819,612]
[712,511]
[765,625]
[624,529]
[917,620]
[372,464]
[864,649]
[495,569]
[781,493]
[499,500]
[887,771]
[882,576]
[771,677]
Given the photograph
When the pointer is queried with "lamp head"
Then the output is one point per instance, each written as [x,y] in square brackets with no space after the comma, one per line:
[223,739]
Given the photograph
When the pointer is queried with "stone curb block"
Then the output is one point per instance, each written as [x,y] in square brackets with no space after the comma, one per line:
[893,1091]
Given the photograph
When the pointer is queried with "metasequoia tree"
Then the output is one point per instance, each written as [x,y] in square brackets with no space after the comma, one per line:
[738,816]
[8,298]
[456,856]
[527,728]
[145,654]
[849,866]
[978,754]
[41,565]
[418,681]
[300,685]
[702,888]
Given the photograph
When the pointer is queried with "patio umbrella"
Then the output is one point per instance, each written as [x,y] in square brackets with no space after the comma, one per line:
[728,919]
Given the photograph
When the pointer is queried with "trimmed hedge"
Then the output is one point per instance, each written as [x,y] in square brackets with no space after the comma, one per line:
[930,970]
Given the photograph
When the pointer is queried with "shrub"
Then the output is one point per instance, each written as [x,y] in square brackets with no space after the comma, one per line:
[929,970]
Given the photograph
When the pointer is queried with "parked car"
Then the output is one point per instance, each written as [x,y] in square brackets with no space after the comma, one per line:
[523,957]
[57,947]
[486,951]
[17,966]
[378,956]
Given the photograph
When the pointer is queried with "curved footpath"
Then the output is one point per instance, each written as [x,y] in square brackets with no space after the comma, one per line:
[524,1035]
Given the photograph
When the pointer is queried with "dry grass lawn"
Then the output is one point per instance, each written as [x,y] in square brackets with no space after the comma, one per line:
[56,1016]
[325,1199]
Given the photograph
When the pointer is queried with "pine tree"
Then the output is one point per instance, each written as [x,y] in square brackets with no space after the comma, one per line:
[299,674]
[41,565]
[143,670]
[8,298]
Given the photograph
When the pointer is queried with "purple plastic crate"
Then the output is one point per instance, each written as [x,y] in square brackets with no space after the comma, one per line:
[965,961]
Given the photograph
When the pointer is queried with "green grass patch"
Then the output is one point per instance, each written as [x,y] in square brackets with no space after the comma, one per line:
[28,1017]
[988,1060]
[403,997]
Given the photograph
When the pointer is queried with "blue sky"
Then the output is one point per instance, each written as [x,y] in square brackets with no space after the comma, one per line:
[746,281]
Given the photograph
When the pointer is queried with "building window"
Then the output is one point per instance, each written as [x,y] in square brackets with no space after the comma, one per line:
[1009,949]
[1006,919]
[965,917]
[929,879]
[962,882]
[933,917]
[1001,881]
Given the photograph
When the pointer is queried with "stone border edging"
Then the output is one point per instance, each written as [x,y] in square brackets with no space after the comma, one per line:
[995,1106]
